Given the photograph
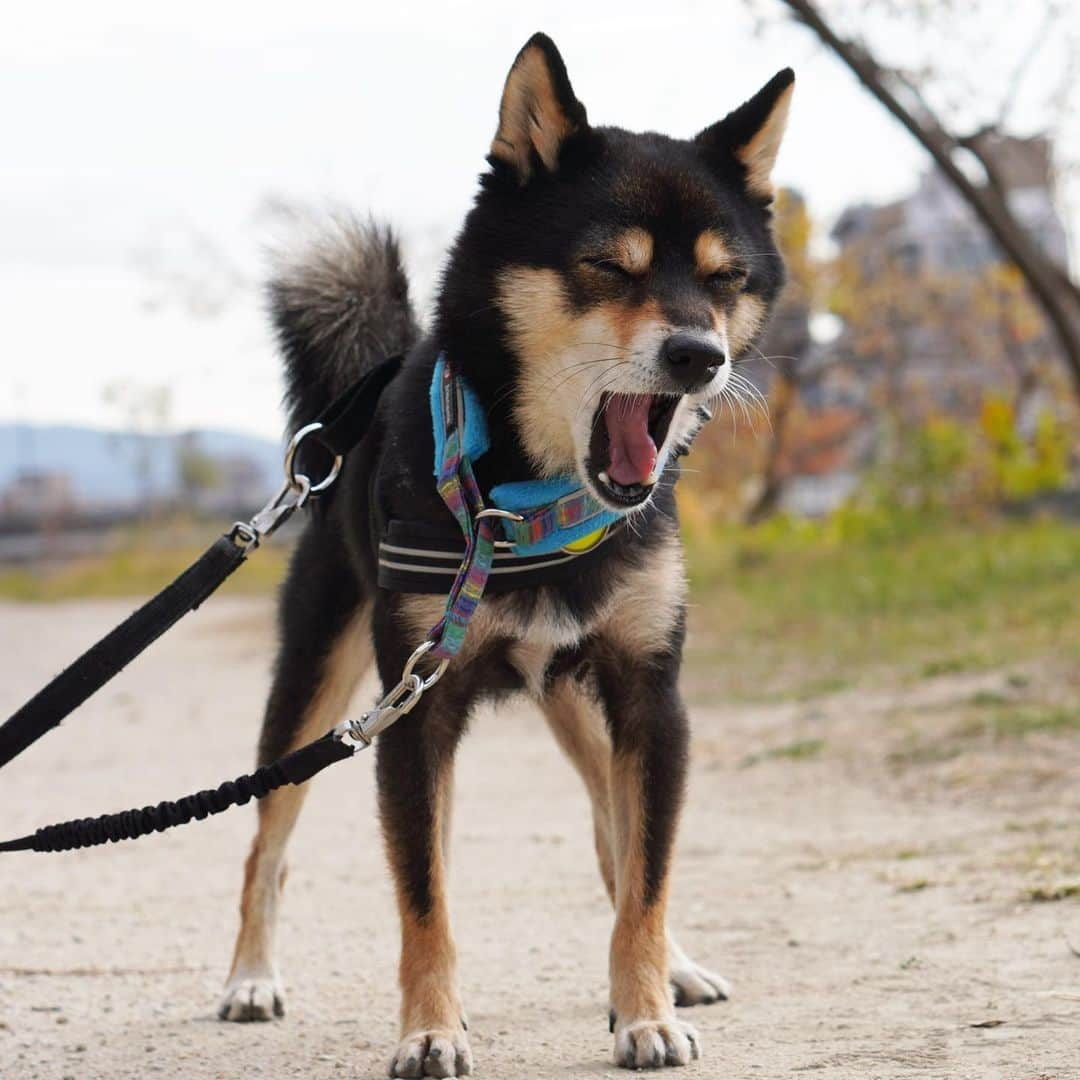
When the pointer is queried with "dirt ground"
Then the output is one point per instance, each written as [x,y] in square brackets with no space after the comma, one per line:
[871,889]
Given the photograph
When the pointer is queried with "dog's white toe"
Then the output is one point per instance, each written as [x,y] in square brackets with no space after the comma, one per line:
[694,985]
[248,999]
[654,1044]
[691,984]
[441,1053]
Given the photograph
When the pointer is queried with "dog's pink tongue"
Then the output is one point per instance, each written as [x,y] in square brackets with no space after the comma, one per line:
[633,453]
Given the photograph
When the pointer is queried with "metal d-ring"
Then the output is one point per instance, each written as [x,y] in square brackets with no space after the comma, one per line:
[290,460]
[508,515]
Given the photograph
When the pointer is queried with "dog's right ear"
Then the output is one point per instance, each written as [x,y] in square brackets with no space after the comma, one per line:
[538,113]
[752,134]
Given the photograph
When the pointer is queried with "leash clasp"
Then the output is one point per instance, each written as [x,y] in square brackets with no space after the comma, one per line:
[292,495]
[399,701]
[289,498]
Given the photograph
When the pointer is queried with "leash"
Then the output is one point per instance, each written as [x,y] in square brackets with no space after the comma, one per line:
[571,515]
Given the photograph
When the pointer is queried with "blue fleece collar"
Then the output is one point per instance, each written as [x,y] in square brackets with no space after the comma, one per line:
[521,496]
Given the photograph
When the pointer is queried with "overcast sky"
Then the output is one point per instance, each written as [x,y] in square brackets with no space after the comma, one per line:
[144,141]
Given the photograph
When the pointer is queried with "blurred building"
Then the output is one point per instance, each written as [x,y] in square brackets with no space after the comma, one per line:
[943,323]
[931,323]
[934,229]
[38,494]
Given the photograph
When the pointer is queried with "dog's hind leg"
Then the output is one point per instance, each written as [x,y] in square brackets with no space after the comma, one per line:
[577,722]
[325,649]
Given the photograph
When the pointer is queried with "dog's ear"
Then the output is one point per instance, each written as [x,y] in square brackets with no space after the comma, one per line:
[752,133]
[539,111]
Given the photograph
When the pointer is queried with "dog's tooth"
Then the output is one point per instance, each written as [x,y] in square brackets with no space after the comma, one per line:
[604,478]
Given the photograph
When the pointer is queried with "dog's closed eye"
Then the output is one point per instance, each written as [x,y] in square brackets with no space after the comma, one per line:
[612,267]
[626,255]
[728,277]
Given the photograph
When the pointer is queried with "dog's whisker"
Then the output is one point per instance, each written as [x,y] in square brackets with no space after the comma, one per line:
[752,395]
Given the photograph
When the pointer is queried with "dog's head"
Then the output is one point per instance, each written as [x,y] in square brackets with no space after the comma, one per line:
[628,273]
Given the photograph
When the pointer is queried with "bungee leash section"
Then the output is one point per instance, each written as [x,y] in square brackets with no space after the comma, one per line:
[541,516]
[295,768]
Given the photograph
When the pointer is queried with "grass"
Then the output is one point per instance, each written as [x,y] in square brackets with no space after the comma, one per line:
[1012,721]
[800,750]
[1047,894]
[137,568]
[787,609]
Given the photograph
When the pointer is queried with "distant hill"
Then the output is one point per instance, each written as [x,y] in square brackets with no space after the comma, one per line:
[102,465]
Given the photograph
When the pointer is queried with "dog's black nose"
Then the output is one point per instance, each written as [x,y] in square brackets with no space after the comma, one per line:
[691,360]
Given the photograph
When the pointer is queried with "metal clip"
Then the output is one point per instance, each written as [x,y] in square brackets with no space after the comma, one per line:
[249,534]
[399,701]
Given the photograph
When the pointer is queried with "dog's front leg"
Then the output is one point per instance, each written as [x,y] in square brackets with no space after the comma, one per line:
[415,761]
[650,737]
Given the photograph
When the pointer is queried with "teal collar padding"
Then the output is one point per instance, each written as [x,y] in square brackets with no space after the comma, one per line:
[540,500]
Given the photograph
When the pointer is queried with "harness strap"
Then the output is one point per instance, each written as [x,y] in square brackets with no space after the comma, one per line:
[347,419]
[459,490]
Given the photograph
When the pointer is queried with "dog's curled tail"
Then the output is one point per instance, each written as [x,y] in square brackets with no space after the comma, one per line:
[339,303]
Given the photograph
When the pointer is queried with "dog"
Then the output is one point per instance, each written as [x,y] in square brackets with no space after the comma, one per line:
[600,293]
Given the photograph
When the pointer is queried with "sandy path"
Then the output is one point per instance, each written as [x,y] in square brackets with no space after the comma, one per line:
[866,924]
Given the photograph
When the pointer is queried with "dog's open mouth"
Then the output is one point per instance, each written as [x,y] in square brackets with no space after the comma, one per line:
[628,432]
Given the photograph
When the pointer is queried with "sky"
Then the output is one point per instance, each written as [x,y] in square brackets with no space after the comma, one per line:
[145,147]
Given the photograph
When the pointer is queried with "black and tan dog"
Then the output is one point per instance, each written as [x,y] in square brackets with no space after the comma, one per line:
[601,291]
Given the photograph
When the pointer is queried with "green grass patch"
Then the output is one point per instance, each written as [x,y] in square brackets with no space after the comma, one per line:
[1023,718]
[800,750]
[951,665]
[983,698]
[913,886]
[790,607]
[1046,894]
[135,569]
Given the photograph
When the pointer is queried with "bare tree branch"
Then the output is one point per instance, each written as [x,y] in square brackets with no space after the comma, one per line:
[1043,276]
[1051,16]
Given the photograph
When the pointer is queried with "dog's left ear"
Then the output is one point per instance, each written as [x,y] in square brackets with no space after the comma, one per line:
[752,133]
[539,111]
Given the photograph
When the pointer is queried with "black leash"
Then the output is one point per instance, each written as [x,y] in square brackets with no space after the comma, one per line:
[344,424]
[118,648]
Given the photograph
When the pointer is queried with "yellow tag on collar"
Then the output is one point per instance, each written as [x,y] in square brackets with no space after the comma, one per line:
[585,543]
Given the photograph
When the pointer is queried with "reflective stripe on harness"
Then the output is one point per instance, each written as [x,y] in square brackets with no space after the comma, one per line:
[412,559]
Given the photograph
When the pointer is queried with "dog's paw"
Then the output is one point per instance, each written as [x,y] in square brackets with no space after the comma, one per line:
[439,1052]
[692,984]
[251,999]
[653,1044]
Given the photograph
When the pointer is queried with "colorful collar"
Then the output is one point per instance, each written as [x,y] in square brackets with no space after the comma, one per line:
[557,514]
